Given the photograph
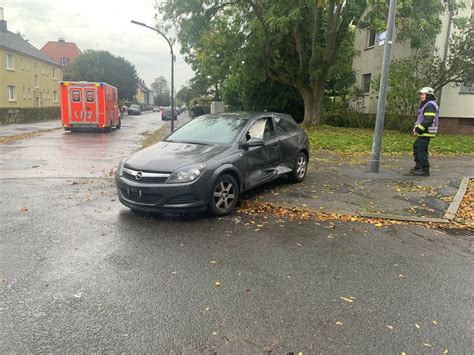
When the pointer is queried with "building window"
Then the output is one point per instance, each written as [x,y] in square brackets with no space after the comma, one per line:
[371,38]
[36,81]
[24,93]
[22,63]
[11,93]
[29,93]
[9,65]
[366,83]
[64,61]
[53,72]
[28,64]
[55,96]
[466,88]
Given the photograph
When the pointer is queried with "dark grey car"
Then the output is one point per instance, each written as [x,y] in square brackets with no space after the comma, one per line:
[209,161]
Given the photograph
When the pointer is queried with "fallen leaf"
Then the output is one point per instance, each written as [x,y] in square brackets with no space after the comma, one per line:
[417,326]
[347,299]
[389,327]
[174,272]
[338,323]
[214,333]
[428,345]
[24,209]
[213,262]
[401,275]
[403,353]
[217,284]
[125,334]
[445,351]
[331,237]
[378,224]
[434,322]
[78,295]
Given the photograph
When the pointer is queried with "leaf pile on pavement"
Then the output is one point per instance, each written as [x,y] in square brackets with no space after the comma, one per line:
[465,214]
[250,207]
[18,137]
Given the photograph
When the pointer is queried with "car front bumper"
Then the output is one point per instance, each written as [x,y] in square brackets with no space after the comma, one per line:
[164,198]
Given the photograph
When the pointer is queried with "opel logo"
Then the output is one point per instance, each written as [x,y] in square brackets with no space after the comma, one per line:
[139,175]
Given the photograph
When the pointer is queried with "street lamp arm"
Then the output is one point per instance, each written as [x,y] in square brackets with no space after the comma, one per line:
[154,29]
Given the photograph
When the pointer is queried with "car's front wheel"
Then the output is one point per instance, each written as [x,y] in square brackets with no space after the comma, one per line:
[301,165]
[224,195]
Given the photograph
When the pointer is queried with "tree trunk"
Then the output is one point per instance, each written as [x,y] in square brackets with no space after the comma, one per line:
[313,99]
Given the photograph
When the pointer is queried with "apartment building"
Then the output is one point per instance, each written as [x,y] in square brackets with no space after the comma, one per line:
[28,77]
[457,102]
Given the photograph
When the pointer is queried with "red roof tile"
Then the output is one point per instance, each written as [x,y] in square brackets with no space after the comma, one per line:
[58,50]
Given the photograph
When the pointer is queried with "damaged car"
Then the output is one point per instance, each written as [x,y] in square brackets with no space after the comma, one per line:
[208,162]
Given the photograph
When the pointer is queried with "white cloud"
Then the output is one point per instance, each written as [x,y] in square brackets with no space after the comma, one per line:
[100,24]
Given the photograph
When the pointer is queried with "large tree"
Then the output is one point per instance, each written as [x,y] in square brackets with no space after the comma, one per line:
[103,66]
[298,40]
[162,91]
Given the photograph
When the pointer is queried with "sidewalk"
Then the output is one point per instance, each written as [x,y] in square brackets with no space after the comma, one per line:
[7,130]
[343,185]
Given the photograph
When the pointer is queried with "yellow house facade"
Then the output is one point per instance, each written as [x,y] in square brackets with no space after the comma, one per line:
[28,78]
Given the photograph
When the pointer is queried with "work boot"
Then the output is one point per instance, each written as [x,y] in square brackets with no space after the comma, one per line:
[415,168]
[422,172]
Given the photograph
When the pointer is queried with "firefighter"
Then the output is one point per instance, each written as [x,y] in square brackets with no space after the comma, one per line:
[426,127]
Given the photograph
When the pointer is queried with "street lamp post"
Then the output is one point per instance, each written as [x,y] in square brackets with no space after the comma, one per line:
[172,69]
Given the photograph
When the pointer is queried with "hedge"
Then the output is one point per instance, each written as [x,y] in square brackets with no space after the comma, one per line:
[30,114]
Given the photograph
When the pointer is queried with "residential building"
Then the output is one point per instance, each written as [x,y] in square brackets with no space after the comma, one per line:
[457,102]
[61,51]
[28,77]
[144,94]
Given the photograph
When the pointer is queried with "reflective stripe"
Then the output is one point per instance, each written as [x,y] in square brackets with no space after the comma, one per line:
[421,127]
[427,135]
[430,114]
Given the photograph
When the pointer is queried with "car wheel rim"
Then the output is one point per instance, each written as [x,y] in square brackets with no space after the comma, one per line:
[301,167]
[224,195]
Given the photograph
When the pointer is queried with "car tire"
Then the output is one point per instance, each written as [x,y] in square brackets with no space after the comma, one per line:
[300,168]
[224,195]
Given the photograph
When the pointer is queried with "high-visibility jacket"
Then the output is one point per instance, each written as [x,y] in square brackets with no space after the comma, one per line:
[426,124]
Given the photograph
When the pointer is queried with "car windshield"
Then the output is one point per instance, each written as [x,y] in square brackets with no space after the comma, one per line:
[210,129]
[134,106]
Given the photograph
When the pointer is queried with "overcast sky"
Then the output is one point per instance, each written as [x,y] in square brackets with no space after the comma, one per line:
[99,25]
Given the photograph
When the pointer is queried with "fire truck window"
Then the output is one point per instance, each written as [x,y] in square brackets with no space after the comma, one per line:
[90,96]
[76,96]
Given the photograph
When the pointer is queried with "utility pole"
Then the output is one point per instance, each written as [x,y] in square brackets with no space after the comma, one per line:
[378,132]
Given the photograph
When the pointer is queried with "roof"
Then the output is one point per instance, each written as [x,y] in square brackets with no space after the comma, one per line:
[14,42]
[143,87]
[58,50]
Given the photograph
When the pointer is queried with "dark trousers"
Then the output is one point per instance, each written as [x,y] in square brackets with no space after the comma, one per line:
[420,152]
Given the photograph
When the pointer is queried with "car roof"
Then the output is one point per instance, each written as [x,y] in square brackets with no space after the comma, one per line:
[244,115]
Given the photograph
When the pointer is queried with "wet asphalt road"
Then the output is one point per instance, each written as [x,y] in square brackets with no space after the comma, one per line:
[81,273]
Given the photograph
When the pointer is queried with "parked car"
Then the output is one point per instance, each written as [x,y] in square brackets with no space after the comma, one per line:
[156,108]
[211,160]
[134,110]
[166,114]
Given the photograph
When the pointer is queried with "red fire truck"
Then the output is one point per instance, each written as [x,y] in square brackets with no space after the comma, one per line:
[86,105]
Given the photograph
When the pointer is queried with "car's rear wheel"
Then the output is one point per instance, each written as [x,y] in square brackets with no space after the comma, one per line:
[224,195]
[300,168]
[119,124]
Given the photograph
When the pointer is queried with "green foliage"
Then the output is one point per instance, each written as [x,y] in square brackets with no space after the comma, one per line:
[359,141]
[29,114]
[162,91]
[103,66]
[185,95]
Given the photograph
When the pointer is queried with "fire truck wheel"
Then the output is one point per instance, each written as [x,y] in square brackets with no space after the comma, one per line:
[119,124]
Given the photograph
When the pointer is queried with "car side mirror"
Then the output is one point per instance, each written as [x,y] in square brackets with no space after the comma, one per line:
[253,142]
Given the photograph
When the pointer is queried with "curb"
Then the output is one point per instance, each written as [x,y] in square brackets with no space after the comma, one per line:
[454,206]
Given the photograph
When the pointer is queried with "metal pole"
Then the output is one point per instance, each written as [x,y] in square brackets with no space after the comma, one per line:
[378,133]
[172,90]
[172,68]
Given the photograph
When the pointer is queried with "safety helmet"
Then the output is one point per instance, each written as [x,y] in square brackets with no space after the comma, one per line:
[427,90]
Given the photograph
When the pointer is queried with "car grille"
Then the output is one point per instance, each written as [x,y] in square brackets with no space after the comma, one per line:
[140,198]
[144,179]
[182,199]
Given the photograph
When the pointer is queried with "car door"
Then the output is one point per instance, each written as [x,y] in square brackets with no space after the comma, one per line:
[261,162]
[83,105]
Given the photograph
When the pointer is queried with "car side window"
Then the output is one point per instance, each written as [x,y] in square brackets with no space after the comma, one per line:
[283,126]
[261,129]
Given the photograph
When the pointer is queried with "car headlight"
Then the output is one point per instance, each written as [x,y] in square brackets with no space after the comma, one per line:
[186,174]
[120,168]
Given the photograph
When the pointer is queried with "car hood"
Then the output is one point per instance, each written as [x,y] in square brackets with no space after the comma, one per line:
[168,156]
